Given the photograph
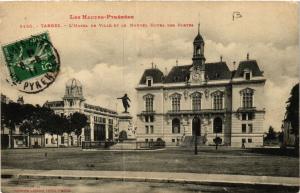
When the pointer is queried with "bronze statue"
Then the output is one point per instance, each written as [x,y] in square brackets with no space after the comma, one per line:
[125,102]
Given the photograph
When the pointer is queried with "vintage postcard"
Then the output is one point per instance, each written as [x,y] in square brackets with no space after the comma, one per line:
[145,97]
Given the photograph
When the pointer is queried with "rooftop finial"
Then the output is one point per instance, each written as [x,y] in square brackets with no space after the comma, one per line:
[152,64]
[221,58]
[233,65]
[199,28]
[248,56]
[176,62]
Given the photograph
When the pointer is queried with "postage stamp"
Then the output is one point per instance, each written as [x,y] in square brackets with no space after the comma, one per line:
[33,63]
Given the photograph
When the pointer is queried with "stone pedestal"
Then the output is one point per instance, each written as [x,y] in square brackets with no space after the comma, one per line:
[125,124]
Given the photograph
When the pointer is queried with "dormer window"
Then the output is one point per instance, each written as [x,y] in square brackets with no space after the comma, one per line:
[149,81]
[247,74]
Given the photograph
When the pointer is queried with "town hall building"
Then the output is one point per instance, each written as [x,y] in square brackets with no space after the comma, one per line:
[202,101]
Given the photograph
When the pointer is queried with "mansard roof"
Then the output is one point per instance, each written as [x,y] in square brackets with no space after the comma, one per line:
[213,71]
[155,73]
[250,65]
[54,104]
[98,108]
[217,71]
[178,74]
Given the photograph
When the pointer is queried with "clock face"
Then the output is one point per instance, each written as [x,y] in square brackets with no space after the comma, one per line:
[196,76]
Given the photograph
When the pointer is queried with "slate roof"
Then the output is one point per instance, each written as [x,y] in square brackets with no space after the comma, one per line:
[198,38]
[54,103]
[98,108]
[178,74]
[156,74]
[248,64]
[214,71]
[217,71]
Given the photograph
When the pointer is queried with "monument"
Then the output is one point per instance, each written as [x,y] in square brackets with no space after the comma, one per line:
[126,129]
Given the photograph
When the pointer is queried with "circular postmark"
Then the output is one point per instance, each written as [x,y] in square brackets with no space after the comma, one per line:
[33,63]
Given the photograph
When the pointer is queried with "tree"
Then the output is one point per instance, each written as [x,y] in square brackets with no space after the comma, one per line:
[78,121]
[55,124]
[11,116]
[292,112]
[271,135]
[29,119]
[217,141]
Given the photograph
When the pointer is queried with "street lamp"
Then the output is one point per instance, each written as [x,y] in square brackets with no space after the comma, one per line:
[196,151]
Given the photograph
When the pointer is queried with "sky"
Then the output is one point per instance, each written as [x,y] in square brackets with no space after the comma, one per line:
[110,61]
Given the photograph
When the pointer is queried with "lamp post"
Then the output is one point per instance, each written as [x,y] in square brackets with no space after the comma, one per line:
[196,150]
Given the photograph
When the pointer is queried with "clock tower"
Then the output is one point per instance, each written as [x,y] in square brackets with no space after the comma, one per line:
[197,71]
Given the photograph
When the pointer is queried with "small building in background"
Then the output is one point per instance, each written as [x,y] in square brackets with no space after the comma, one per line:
[102,122]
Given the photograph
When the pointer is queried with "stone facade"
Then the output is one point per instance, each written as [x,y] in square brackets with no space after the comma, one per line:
[102,122]
[202,99]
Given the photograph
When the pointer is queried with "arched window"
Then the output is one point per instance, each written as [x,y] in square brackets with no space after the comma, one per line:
[198,51]
[247,98]
[175,102]
[175,125]
[218,125]
[217,100]
[196,101]
[149,102]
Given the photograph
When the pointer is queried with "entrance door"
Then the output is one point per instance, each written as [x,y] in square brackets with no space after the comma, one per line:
[196,126]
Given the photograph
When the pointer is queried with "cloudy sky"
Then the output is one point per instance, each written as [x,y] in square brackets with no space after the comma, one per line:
[110,61]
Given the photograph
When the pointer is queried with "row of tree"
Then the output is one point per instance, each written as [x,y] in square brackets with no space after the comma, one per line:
[40,120]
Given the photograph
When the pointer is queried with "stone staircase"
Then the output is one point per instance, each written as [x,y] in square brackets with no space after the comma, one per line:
[189,141]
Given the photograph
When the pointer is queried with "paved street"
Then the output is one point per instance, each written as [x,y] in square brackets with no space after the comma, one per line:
[105,186]
[154,177]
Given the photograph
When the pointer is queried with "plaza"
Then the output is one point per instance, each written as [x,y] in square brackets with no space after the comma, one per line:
[257,162]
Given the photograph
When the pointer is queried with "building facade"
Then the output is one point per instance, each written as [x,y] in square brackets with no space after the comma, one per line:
[102,122]
[202,100]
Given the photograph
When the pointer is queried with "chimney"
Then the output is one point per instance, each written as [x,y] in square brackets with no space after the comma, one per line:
[176,62]
[248,56]
[221,58]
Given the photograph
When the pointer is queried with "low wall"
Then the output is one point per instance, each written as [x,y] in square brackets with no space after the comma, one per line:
[125,145]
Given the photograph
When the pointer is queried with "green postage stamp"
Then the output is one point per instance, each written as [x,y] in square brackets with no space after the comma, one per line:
[33,63]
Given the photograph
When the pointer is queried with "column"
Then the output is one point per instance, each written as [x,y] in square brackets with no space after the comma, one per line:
[106,128]
[92,128]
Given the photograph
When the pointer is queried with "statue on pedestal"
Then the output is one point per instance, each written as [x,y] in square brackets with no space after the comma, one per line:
[125,101]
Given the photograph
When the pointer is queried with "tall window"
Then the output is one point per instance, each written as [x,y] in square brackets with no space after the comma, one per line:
[250,128]
[217,100]
[176,103]
[244,128]
[176,125]
[217,125]
[87,133]
[196,101]
[247,98]
[151,129]
[149,102]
